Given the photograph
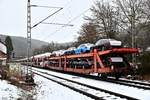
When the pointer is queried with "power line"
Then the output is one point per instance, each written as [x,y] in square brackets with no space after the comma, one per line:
[67,8]
[63,25]
[54,7]
[67,23]
[57,24]
[46,18]
[44,6]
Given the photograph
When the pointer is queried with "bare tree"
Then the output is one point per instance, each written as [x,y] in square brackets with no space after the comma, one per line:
[105,17]
[88,33]
[132,13]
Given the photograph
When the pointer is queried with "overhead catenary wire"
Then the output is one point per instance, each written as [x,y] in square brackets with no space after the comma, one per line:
[67,23]
[57,30]
[57,24]
[64,7]
[52,6]
[68,9]
[44,6]
[46,18]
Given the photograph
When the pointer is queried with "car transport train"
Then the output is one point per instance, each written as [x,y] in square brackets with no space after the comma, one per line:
[106,57]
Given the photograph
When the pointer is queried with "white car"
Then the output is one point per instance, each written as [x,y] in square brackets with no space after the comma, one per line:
[106,44]
[58,53]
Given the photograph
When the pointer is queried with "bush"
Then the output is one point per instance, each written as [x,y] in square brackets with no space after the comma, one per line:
[144,69]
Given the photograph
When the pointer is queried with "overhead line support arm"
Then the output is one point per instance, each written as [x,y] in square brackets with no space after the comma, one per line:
[46,18]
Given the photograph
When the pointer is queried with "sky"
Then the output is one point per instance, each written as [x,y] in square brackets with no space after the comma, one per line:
[13,18]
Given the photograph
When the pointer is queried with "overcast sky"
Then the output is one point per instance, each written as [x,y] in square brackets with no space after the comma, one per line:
[13,18]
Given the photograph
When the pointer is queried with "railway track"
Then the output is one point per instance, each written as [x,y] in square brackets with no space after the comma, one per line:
[88,90]
[135,82]
[139,85]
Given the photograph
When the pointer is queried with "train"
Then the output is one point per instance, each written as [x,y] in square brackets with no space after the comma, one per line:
[107,57]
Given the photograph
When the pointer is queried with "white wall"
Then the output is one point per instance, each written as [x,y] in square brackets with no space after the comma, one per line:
[3,48]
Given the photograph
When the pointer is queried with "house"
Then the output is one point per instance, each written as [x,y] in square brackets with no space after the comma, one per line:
[3,53]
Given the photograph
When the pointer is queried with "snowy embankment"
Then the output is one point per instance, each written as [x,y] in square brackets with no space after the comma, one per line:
[8,91]
[125,90]
[44,90]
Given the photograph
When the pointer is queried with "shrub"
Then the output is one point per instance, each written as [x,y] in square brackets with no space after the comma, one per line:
[144,69]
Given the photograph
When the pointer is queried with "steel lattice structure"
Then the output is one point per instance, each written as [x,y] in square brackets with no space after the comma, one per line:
[29,68]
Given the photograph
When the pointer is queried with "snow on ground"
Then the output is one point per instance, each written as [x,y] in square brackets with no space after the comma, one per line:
[97,93]
[140,81]
[8,91]
[48,90]
[126,90]
[44,90]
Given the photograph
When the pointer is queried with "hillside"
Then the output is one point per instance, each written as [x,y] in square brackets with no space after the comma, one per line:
[20,44]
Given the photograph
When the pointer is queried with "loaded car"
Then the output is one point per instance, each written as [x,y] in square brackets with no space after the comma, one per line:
[83,48]
[106,44]
[57,53]
[69,51]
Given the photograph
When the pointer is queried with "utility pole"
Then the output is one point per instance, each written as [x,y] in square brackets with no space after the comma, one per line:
[29,68]
[133,35]
[29,28]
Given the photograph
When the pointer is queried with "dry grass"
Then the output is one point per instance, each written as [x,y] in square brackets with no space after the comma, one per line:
[14,75]
[146,77]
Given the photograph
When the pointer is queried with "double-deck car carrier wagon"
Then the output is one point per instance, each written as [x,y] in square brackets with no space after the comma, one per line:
[106,57]
[107,62]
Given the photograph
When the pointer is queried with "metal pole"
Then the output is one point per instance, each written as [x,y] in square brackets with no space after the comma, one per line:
[133,35]
[29,68]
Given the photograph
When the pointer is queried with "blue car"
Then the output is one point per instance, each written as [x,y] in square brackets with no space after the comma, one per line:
[70,51]
[83,48]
